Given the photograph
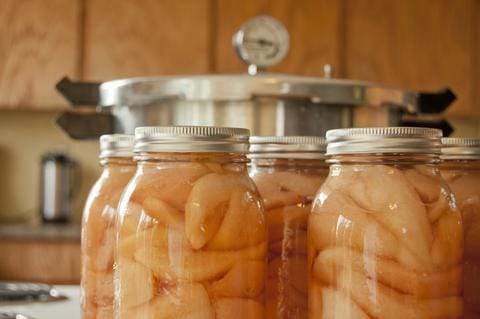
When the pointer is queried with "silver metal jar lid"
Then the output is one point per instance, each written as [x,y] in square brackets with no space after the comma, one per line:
[381,140]
[295,147]
[187,139]
[116,145]
[460,148]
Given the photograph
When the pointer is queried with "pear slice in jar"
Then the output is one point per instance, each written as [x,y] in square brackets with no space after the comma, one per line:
[338,221]
[245,280]
[156,237]
[163,213]
[98,239]
[289,217]
[436,209]
[183,301]
[101,312]
[243,224]
[386,191]
[104,313]
[180,265]
[471,284]
[291,271]
[215,167]
[427,185]
[286,290]
[207,204]
[135,283]
[331,262]
[300,184]
[286,188]
[389,303]
[293,242]
[447,248]
[336,305]
[130,218]
[171,183]
[233,308]
[471,222]
[98,288]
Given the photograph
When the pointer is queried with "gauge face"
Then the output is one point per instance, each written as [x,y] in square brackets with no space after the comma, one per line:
[262,41]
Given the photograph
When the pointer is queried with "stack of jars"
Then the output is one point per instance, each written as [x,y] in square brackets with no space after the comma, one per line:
[207,222]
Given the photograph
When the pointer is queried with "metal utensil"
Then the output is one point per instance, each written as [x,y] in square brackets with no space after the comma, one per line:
[59,178]
[16,291]
[14,315]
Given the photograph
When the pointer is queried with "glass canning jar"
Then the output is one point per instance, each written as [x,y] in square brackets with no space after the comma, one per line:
[385,239]
[461,170]
[98,231]
[288,171]
[191,234]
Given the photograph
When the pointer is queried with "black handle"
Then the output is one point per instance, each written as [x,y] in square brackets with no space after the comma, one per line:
[443,125]
[435,102]
[84,126]
[79,93]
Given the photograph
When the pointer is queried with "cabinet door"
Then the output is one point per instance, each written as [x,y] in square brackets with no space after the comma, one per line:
[417,44]
[39,43]
[146,37]
[52,262]
[314,27]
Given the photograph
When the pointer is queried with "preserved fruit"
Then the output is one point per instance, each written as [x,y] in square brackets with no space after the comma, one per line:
[288,171]
[461,170]
[191,234]
[385,237]
[98,226]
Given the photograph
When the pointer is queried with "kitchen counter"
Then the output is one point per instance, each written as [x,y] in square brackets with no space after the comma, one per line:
[47,253]
[50,232]
[69,308]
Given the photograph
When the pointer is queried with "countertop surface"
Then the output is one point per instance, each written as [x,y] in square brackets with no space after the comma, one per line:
[69,308]
[55,232]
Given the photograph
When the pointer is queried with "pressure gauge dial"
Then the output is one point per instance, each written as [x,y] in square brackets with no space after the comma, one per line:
[261,42]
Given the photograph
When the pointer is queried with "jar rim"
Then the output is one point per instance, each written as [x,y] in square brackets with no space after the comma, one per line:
[289,147]
[460,148]
[116,145]
[384,140]
[191,139]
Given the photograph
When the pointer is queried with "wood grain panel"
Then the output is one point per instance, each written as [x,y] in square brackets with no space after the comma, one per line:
[42,261]
[39,43]
[145,37]
[476,56]
[420,44]
[314,27]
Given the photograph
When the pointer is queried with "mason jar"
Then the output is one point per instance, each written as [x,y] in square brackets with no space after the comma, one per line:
[98,231]
[192,239]
[288,171]
[461,170]
[385,236]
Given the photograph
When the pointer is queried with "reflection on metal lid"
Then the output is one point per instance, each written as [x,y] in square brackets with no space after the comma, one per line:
[191,139]
[384,140]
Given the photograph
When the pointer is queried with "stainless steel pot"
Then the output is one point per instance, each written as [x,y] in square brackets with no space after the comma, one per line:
[266,103]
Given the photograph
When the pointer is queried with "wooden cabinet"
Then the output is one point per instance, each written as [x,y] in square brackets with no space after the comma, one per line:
[53,262]
[39,43]
[416,44]
[419,44]
[146,37]
[315,29]
[47,253]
